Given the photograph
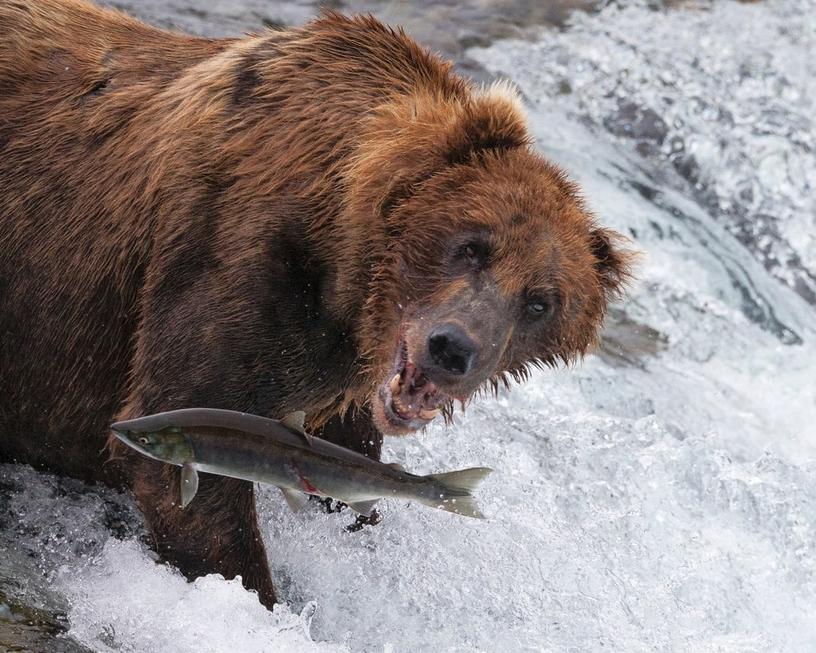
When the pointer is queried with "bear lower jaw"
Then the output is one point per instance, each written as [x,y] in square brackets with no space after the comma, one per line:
[409,399]
[414,395]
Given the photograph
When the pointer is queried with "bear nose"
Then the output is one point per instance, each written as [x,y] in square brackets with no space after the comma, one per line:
[452,349]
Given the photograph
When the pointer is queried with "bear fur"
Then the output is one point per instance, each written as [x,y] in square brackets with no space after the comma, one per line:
[256,224]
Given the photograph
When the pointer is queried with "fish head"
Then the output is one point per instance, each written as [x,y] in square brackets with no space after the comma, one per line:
[168,445]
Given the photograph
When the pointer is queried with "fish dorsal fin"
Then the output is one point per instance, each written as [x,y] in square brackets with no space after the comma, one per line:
[295,422]
[189,484]
[363,507]
[294,499]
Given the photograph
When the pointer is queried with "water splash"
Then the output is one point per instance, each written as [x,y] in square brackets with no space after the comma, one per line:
[723,92]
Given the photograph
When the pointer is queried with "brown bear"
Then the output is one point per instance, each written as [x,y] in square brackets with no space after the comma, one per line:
[324,219]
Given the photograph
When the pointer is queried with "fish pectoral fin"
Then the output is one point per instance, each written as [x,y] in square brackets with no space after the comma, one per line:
[189,484]
[363,507]
[294,499]
[295,422]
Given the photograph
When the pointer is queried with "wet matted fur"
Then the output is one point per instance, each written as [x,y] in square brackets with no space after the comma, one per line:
[265,224]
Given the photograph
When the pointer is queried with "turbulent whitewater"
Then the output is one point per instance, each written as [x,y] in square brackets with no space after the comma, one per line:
[657,498]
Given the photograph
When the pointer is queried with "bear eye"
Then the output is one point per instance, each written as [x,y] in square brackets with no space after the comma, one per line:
[473,253]
[538,307]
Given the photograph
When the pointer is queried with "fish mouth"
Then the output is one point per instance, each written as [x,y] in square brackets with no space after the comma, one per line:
[120,435]
[130,440]
[410,400]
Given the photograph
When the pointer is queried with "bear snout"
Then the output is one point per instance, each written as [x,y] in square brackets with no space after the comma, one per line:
[451,350]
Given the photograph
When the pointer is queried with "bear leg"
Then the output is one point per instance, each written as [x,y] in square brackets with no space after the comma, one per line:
[216,533]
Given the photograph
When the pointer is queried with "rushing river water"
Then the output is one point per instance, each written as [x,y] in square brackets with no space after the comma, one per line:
[659,497]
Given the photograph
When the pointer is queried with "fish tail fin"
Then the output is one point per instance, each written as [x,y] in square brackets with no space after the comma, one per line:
[461,485]
[464,480]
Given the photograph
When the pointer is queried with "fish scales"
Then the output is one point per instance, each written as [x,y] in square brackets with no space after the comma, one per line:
[281,453]
[263,459]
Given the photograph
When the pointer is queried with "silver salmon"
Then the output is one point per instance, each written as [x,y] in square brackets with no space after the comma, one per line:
[281,453]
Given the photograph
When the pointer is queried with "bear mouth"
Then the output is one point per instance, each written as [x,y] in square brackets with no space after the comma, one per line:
[410,399]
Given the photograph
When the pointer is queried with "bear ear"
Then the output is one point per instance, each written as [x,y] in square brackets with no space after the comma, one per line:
[416,136]
[612,263]
[493,120]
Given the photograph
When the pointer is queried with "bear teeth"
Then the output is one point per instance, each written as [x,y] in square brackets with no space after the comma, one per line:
[401,407]
[394,384]
[413,395]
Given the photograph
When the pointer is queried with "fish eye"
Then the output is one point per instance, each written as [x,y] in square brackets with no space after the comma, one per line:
[143,440]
